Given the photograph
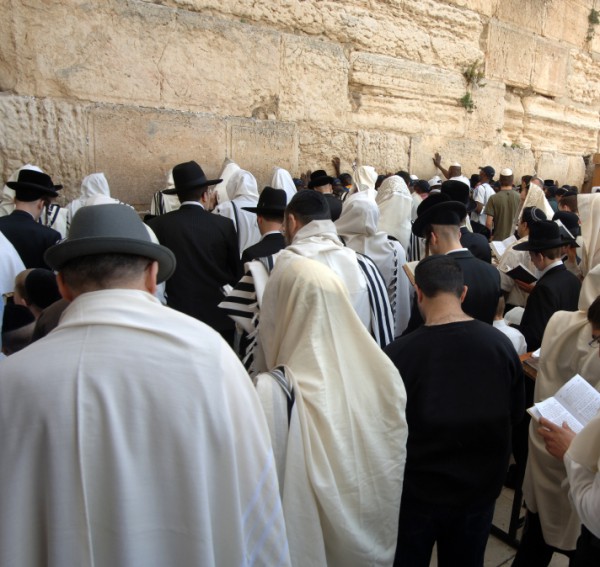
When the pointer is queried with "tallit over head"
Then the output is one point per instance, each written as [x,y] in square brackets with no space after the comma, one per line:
[242,184]
[346,448]
[229,169]
[395,206]
[589,215]
[365,178]
[283,180]
[537,198]
[94,185]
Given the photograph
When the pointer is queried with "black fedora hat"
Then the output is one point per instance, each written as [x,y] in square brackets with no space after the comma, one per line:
[270,202]
[459,191]
[33,184]
[189,175]
[543,235]
[109,229]
[319,178]
[438,209]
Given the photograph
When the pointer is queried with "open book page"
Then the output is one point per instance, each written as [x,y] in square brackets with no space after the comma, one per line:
[499,246]
[409,270]
[520,272]
[577,402]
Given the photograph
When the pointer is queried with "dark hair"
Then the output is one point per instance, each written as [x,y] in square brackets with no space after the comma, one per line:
[380,180]
[308,206]
[526,179]
[422,186]
[194,194]
[271,217]
[570,201]
[439,274]
[593,313]
[406,177]
[346,179]
[102,271]
[506,180]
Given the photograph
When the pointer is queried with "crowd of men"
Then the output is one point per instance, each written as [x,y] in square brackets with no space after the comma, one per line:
[322,372]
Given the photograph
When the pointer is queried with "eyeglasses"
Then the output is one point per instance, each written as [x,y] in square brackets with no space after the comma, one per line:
[595,341]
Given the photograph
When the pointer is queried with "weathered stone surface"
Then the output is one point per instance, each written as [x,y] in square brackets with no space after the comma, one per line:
[511,54]
[49,134]
[319,144]
[514,116]
[549,68]
[325,96]
[564,169]
[486,120]
[406,96]
[387,152]
[135,148]
[584,79]
[258,146]
[569,24]
[527,15]
[485,7]
[550,126]
[8,47]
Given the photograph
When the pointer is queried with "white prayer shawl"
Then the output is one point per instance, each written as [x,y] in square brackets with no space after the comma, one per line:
[565,352]
[357,227]
[7,197]
[589,214]
[242,191]
[346,449]
[10,265]
[395,205]
[91,186]
[56,217]
[162,203]
[509,260]
[536,198]
[145,445]
[283,180]
[229,169]
[365,178]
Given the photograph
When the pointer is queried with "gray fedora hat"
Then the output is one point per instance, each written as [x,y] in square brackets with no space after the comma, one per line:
[109,229]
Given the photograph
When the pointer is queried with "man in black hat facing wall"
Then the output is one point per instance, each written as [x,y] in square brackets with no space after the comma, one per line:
[205,246]
[33,191]
[322,183]
[269,217]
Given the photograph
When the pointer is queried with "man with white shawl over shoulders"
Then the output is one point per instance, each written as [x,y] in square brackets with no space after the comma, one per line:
[340,436]
[283,180]
[395,206]
[243,192]
[357,228]
[93,185]
[552,522]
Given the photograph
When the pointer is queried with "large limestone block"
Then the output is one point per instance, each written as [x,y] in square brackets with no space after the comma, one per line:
[49,134]
[137,52]
[406,96]
[319,144]
[564,169]
[387,152]
[520,160]
[584,79]
[567,20]
[484,7]
[486,120]
[514,117]
[136,147]
[260,145]
[550,126]
[550,68]
[8,47]
[314,79]
[528,15]
[510,53]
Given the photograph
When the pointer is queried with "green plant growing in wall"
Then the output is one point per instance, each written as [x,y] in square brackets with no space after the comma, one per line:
[467,102]
[474,74]
[593,20]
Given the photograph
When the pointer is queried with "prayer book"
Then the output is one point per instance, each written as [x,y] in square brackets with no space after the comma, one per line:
[521,273]
[409,270]
[577,402]
[499,246]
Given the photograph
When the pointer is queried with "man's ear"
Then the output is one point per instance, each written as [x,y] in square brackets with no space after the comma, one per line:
[420,294]
[63,288]
[150,275]
[464,293]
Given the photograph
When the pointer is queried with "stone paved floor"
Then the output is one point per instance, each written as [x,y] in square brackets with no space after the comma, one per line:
[497,553]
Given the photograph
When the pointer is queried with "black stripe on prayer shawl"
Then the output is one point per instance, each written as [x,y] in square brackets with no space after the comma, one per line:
[383,322]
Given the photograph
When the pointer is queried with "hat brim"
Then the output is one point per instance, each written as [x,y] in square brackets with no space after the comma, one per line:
[34,187]
[538,246]
[195,184]
[264,210]
[320,181]
[424,219]
[58,255]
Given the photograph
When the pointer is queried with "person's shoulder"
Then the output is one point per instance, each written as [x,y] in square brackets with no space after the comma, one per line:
[410,343]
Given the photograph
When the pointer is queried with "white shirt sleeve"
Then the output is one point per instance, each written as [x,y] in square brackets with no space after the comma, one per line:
[584,492]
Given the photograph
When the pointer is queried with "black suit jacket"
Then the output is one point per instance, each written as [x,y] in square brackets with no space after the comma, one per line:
[483,281]
[335,206]
[270,244]
[29,238]
[557,290]
[477,244]
[206,249]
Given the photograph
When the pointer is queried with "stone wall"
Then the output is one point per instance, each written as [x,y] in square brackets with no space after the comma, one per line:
[131,87]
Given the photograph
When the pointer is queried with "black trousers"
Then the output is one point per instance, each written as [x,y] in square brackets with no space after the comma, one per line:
[587,553]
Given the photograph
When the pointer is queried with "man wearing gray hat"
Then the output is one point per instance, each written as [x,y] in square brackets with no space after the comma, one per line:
[142,440]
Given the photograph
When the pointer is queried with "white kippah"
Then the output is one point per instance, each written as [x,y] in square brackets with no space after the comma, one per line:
[506,172]
[455,164]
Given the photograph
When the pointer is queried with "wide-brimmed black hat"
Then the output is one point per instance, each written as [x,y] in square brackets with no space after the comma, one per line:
[438,209]
[270,202]
[32,185]
[458,191]
[109,229]
[189,175]
[543,235]
[319,178]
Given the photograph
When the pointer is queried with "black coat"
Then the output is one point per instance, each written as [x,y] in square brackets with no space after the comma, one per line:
[335,206]
[29,238]
[205,246]
[477,244]
[557,290]
[270,244]
[483,281]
